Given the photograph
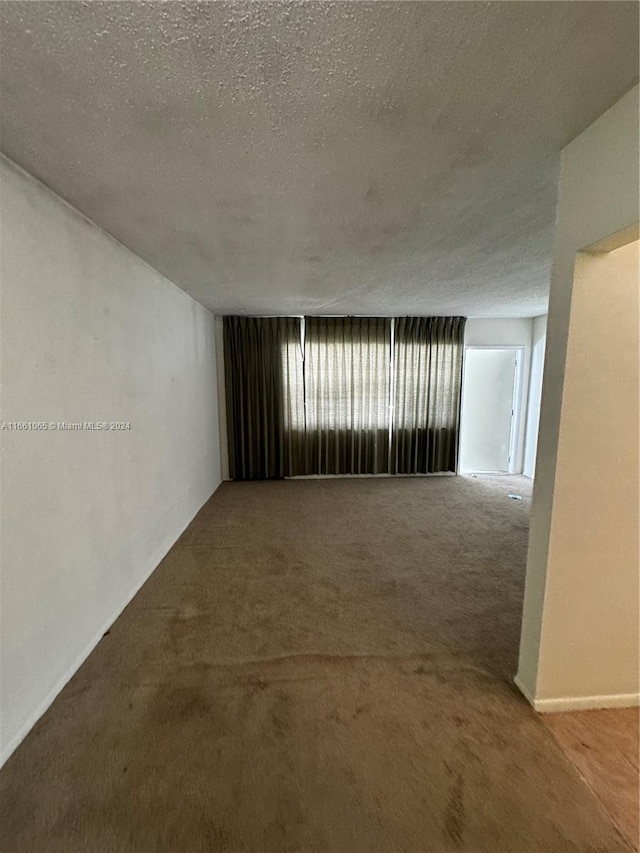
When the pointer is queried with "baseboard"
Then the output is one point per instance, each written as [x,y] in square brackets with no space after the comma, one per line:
[578,703]
[586,703]
[523,689]
[17,739]
[369,476]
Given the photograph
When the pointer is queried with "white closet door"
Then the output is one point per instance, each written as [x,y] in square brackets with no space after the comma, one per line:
[487,409]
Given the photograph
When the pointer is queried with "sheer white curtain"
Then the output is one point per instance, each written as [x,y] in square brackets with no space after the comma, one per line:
[347,386]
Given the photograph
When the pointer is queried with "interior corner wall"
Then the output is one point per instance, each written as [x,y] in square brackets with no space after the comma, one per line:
[90,333]
[535,395]
[589,645]
[480,332]
[598,197]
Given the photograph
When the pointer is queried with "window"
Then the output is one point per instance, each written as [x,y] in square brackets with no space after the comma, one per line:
[333,395]
[344,383]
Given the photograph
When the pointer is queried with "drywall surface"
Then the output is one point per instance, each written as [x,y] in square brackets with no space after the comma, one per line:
[310,158]
[598,197]
[90,333]
[590,640]
[507,333]
[498,332]
[535,395]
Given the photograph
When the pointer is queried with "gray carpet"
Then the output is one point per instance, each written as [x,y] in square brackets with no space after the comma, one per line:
[317,665]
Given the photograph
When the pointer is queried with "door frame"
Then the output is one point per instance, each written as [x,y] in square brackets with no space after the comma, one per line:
[516,403]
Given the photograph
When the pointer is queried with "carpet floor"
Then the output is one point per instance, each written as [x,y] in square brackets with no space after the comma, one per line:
[317,665]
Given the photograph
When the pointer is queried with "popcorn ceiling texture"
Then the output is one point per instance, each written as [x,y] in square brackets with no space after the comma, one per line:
[317,157]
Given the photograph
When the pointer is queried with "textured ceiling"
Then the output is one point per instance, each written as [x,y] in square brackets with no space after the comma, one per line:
[327,157]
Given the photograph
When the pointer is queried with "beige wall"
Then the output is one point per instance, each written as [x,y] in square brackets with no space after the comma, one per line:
[89,333]
[579,665]
[590,631]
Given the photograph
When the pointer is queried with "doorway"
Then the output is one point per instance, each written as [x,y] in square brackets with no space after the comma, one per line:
[491,388]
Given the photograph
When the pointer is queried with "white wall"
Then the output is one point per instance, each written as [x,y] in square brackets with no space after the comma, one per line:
[582,667]
[89,333]
[535,395]
[516,333]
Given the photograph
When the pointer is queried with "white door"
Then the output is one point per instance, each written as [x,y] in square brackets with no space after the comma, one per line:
[488,409]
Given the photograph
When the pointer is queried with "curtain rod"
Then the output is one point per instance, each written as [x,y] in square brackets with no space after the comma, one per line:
[347,316]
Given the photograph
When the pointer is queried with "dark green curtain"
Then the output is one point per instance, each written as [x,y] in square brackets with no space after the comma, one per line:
[348,402]
[263,374]
[347,383]
[427,370]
